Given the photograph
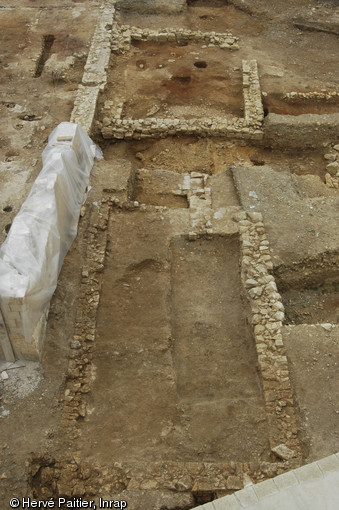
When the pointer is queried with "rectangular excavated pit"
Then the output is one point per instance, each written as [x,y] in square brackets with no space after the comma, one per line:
[157,187]
[277,103]
[213,351]
[310,290]
[175,363]
[171,80]
[47,43]
[312,303]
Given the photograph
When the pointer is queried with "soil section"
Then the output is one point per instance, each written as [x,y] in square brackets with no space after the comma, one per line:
[190,154]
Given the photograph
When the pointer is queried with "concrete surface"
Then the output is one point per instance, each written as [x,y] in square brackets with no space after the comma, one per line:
[311,487]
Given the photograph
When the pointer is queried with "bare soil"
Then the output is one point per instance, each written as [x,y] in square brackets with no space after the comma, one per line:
[312,304]
[30,106]
[275,104]
[162,80]
[313,355]
[174,365]
[189,154]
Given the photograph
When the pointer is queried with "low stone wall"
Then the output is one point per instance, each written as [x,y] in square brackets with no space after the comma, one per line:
[222,40]
[267,316]
[85,105]
[301,131]
[113,126]
[313,95]
[80,368]
[254,111]
[95,77]
[122,37]
[161,128]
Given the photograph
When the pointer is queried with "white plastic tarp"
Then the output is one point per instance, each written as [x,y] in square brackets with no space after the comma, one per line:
[43,230]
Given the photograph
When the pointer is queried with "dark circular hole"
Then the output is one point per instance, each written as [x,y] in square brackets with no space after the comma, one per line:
[257,162]
[266,112]
[8,208]
[141,64]
[201,64]
[181,79]
[7,227]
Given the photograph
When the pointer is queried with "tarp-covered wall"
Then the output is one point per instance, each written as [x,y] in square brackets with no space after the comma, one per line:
[43,230]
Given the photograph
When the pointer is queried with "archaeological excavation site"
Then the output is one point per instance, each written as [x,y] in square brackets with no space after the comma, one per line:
[169,254]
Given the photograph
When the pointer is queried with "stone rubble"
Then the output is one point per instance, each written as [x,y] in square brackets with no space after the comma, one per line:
[61,475]
[332,159]
[80,369]
[59,70]
[195,188]
[283,452]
